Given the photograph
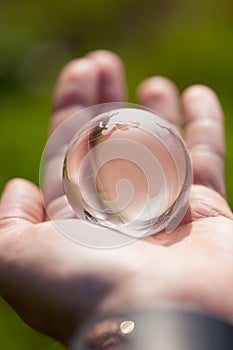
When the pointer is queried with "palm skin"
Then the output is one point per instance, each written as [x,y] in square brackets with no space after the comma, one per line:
[55,285]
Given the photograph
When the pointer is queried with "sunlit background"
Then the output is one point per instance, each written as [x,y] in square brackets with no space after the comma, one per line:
[187,41]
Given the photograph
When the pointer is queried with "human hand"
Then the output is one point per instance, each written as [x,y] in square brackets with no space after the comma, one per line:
[55,285]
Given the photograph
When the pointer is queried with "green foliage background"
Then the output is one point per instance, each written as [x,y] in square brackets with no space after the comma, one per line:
[187,41]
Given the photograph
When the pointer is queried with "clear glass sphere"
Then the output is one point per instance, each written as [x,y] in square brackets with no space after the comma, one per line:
[128,169]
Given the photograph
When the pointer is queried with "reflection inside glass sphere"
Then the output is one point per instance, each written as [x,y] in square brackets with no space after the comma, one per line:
[126,169]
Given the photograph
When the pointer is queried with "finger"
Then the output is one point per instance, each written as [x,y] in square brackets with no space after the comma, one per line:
[201,208]
[60,208]
[97,78]
[76,84]
[111,76]
[204,136]
[161,95]
[55,202]
[20,204]
[107,77]
[76,88]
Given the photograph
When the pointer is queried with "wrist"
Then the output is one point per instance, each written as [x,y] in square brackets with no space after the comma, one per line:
[158,329]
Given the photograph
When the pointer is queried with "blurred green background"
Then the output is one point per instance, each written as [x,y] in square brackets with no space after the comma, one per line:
[187,41]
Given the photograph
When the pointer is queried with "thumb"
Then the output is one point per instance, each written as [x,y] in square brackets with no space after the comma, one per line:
[20,205]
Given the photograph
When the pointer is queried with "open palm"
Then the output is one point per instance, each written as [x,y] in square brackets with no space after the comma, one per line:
[55,284]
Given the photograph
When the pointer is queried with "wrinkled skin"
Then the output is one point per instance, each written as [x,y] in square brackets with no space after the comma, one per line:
[55,284]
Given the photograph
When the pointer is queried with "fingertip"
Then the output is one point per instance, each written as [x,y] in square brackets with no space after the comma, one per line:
[158,85]
[200,101]
[76,84]
[161,95]
[18,184]
[197,90]
[204,135]
[106,57]
[111,76]
[21,199]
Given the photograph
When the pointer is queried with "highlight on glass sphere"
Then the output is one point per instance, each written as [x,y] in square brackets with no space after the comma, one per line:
[128,169]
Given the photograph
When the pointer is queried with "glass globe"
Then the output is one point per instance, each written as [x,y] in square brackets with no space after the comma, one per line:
[128,169]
